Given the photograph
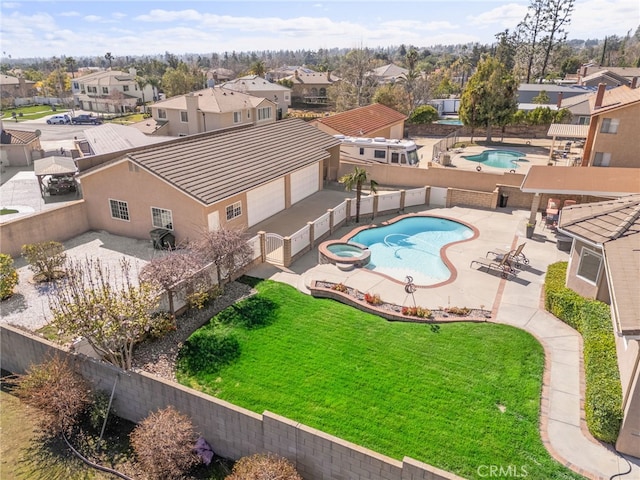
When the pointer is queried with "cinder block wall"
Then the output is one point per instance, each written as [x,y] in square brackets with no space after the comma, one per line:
[232,431]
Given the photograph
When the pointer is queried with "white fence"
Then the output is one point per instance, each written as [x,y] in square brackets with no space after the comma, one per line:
[340,213]
[389,201]
[415,197]
[300,240]
[321,226]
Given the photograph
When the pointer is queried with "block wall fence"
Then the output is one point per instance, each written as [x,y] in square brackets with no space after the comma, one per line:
[232,431]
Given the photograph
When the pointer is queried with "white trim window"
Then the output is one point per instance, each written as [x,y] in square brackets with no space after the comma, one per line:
[184,117]
[609,125]
[119,209]
[601,159]
[590,265]
[105,90]
[162,114]
[237,117]
[161,218]
[125,88]
[264,113]
[234,210]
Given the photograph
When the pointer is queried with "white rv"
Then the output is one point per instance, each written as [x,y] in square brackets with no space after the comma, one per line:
[379,150]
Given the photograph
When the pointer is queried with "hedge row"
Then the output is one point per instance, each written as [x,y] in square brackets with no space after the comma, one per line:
[603,402]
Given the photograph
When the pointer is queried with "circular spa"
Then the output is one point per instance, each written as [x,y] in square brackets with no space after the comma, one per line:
[341,253]
[413,245]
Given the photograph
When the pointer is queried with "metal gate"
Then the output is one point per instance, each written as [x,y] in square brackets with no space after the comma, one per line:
[275,248]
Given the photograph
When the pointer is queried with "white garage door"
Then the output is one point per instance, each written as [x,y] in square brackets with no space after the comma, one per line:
[262,202]
[304,182]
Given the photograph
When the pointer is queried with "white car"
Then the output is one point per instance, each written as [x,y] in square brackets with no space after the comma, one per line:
[59,120]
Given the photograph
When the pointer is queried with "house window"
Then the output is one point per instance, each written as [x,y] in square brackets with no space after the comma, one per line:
[161,218]
[590,265]
[105,90]
[184,118]
[583,120]
[361,150]
[601,159]
[92,89]
[323,92]
[76,86]
[234,210]
[380,154]
[162,114]
[119,210]
[125,88]
[264,113]
[237,117]
[609,125]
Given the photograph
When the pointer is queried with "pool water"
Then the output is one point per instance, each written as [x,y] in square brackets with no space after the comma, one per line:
[450,121]
[411,246]
[507,159]
[346,251]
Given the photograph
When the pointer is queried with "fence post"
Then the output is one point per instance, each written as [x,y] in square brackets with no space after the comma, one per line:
[263,246]
[286,252]
[311,233]
[403,199]
[374,210]
[331,220]
[348,212]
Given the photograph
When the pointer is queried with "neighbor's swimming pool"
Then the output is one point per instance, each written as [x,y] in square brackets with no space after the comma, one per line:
[413,246]
[449,121]
[497,158]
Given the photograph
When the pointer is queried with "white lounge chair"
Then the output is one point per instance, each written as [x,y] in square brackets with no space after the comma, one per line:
[516,256]
[503,265]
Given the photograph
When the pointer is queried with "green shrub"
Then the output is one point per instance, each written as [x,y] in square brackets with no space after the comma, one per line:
[8,276]
[208,350]
[603,395]
[45,259]
[423,114]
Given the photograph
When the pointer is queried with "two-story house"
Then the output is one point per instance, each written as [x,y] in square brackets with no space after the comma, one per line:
[311,88]
[15,87]
[612,140]
[211,109]
[259,87]
[109,91]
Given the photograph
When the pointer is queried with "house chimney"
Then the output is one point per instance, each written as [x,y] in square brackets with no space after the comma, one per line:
[634,82]
[192,112]
[328,75]
[133,72]
[559,104]
[600,95]
[295,74]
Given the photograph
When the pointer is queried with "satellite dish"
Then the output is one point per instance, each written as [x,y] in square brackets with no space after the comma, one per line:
[38,133]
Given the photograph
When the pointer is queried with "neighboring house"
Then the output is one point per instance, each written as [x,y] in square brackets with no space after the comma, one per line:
[218,75]
[605,264]
[259,87]
[311,88]
[15,87]
[579,108]
[211,109]
[109,91]
[111,137]
[190,185]
[528,91]
[286,71]
[626,75]
[375,120]
[612,140]
[609,78]
[19,148]
[389,73]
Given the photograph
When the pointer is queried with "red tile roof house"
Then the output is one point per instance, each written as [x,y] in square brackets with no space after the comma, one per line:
[375,120]
[604,264]
[230,179]
[19,148]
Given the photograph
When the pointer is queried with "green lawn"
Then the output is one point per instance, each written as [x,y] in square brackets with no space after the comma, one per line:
[31,112]
[458,397]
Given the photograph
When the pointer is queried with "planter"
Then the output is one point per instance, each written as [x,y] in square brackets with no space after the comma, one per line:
[530,229]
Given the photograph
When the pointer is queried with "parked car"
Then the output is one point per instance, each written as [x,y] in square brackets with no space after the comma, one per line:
[86,119]
[59,120]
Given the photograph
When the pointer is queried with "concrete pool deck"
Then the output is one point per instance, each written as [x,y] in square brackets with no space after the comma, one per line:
[515,301]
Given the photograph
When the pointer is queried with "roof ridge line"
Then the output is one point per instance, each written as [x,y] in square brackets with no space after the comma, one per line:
[624,226]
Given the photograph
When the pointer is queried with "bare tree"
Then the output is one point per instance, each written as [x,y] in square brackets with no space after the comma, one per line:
[529,31]
[558,18]
[227,249]
[112,313]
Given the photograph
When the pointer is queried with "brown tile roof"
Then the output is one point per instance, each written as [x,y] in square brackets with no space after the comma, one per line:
[213,166]
[623,269]
[615,98]
[603,222]
[213,100]
[17,137]
[600,181]
[362,121]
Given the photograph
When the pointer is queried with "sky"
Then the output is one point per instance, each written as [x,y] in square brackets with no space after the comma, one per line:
[46,28]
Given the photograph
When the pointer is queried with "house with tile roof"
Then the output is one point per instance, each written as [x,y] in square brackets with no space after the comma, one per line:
[109,91]
[15,87]
[604,264]
[19,148]
[390,73]
[612,140]
[311,88]
[618,75]
[375,120]
[260,87]
[210,109]
[112,137]
[232,179]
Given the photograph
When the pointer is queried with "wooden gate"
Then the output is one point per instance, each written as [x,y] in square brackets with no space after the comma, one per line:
[275,248]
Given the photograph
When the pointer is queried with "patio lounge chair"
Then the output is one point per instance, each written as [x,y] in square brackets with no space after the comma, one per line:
[515,256]
[503,265]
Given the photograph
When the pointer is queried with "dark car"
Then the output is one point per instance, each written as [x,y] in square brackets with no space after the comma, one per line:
[84,119]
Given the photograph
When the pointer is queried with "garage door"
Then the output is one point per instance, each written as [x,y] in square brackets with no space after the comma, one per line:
[262,202]
[304,182]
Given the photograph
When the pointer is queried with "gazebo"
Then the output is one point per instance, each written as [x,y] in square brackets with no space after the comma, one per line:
[55,167]
[565,130]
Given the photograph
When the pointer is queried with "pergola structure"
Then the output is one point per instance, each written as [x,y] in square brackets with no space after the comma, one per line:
[565,130]
[592,181]
[55,166]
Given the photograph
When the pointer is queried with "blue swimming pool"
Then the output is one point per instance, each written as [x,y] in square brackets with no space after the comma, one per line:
[449,121]
[412,246]
[507,159]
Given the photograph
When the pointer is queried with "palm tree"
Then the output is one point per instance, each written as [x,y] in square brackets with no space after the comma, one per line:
[257,68]
[142,82]
[357,178]
[109,58]
[71,65]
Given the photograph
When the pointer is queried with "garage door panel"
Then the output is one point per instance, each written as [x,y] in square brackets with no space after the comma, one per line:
[265,201]
[304,182]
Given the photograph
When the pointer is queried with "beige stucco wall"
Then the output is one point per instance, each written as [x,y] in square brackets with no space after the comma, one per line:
[624,144]
[628,358]
[583,287]
[21,155]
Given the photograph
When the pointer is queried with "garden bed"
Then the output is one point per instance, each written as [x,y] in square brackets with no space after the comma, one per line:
[399,313]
